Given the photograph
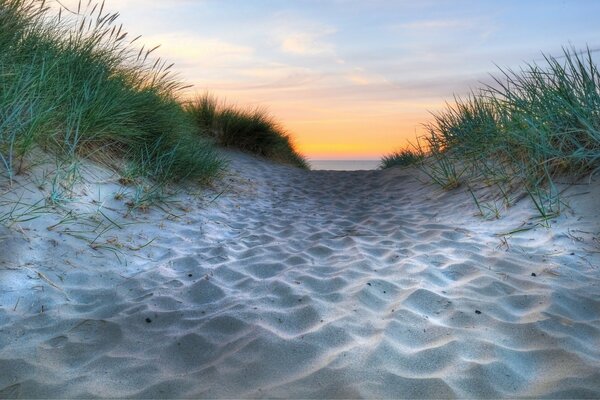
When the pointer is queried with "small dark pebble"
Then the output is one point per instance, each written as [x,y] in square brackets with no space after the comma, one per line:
[477,312]
[190,275]
[300,300]
[572,254]
[533,274]
[369,283]
[148,320]
[384,291]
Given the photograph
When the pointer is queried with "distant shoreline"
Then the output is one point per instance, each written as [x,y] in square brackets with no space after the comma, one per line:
[344,165]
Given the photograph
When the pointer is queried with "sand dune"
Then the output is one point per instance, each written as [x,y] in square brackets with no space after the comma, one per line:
[304,284]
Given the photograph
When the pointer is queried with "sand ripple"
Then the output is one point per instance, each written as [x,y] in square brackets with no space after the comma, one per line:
[318,285]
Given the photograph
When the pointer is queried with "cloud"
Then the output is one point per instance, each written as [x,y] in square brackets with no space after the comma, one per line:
[200,50]
[306,43]
[359,79]
[279,76]
[437,24]
[358,76]
[479,28]
[111,5]
[298,36]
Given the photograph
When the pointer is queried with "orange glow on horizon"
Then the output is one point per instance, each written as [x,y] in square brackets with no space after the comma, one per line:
[321,131]
[359,139]
[339,94]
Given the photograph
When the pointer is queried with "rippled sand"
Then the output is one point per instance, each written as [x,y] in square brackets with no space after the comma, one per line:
[308,285]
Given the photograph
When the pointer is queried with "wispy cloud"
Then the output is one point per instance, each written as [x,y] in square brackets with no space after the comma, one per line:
[297,36]
[306,43]
[438,24]
[73,5]
[439,30]
[200,50]
[360,77]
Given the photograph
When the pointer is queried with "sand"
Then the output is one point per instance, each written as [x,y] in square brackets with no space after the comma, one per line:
[287,283]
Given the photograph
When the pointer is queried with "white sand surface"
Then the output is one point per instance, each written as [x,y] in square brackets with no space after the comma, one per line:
[290,283]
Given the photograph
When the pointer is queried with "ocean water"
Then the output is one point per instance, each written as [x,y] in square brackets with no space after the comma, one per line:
[344,165]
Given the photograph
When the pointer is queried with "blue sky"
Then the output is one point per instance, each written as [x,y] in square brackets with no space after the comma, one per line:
[353,79]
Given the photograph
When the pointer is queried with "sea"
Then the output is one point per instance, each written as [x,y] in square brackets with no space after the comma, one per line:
[344,165]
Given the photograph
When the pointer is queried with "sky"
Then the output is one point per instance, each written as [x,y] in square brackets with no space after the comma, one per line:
[352,79]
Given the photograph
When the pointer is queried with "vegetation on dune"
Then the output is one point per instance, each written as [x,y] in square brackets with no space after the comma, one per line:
[251,130]
[522,132]
[401,158]
[75,86]
[72,86]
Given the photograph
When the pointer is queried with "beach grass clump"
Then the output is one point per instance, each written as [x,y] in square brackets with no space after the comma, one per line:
[73,84]
[523,131]
[401,158]
[249,129]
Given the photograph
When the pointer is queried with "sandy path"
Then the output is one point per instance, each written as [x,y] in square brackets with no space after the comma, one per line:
[313,284]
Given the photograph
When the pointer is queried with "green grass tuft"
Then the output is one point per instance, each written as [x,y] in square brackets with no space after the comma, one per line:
[75,86]
[251,130]
[401,158]
[523,131]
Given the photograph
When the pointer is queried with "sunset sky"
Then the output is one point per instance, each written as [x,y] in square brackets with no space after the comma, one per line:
[352,79]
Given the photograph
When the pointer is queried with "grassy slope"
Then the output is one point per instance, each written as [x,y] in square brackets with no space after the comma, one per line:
[77,88]
[530,127]
[252,130]
[401,158]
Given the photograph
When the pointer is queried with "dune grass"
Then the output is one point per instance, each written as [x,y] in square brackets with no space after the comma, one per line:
[401,158]
[249,129]
[521,133]
[73,84]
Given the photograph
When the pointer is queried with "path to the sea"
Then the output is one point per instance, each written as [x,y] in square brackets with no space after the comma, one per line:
[318,285]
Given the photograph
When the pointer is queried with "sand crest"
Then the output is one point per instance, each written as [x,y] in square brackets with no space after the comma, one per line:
[303,284]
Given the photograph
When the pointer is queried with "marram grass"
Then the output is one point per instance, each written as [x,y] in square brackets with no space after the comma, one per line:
[401,158]
[77,87]
[251,130]
[522,132]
